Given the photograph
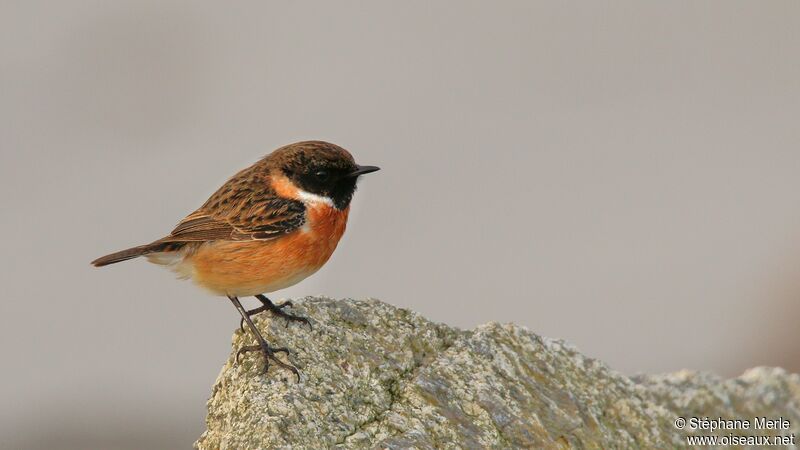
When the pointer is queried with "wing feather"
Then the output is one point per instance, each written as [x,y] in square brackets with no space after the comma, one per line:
[240,212]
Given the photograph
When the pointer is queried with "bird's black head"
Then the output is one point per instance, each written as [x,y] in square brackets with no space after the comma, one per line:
[320,168]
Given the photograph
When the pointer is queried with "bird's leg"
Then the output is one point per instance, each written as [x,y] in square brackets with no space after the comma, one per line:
[266,351]
[267,305]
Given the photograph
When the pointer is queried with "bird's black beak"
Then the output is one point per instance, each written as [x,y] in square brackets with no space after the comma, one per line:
[361,170]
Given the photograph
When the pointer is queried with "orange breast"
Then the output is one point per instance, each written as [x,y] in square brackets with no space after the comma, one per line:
[256,267]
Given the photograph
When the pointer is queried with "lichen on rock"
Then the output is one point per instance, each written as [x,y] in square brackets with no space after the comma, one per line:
[376,376]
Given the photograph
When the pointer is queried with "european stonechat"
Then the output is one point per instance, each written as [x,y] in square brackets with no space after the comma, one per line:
[269,227]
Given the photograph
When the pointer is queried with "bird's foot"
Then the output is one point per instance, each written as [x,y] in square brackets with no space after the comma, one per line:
[268,353]
[278,311]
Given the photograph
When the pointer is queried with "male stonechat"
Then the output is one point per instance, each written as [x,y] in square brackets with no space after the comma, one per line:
[269,227]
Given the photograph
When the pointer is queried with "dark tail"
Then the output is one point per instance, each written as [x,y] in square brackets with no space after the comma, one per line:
[130,253]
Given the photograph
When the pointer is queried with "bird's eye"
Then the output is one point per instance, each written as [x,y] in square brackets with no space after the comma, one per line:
[322,175]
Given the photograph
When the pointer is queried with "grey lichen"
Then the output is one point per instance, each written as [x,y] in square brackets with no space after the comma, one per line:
[375,376]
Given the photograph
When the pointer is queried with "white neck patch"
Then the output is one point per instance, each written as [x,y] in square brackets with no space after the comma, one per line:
[309,198]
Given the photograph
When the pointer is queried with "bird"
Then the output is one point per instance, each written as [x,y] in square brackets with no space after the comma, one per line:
[268,227]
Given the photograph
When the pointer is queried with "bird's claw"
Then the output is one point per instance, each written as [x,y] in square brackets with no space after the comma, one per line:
[269,355]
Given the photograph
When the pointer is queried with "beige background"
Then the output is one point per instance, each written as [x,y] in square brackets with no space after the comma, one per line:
[623,175]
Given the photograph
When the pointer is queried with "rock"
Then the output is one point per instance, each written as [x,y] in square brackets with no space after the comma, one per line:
[375,376]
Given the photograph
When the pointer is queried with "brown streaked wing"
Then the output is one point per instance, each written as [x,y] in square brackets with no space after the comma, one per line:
[205,228]
[265,219]
[244,208]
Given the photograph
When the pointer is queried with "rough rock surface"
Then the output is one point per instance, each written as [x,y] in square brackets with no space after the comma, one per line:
[376,376]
